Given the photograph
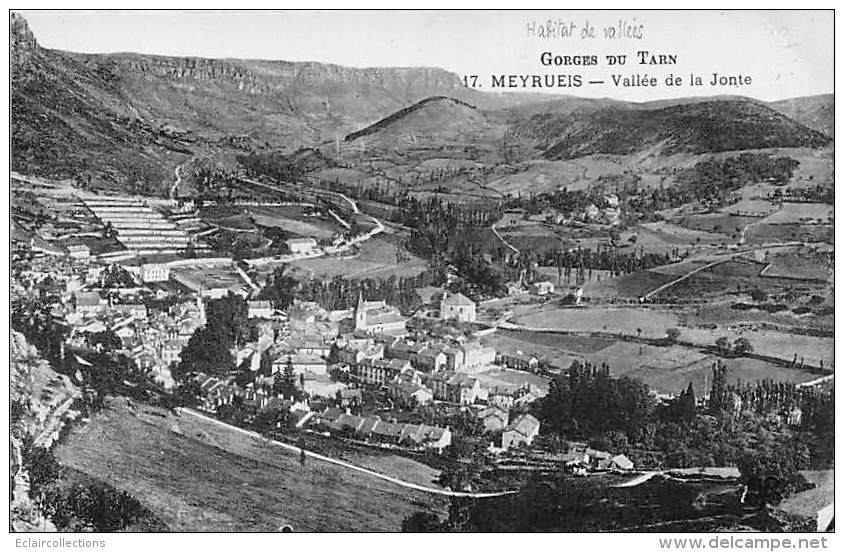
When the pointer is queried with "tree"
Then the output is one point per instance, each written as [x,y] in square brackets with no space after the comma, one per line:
[742,346]
[107,339]
[42,466]
[685,406]
[265,421]
[228,320]
[280,288]
[244,377]
[672,334]
[772,471]
[284,381]
[719,396]
[205,352]
[758,295]
[723,345]
[421,522]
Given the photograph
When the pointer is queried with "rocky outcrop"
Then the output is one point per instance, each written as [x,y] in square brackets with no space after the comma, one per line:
[21,40]
[41,403]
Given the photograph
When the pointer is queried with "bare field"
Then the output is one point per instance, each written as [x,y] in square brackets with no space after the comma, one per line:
[375,259]
[666,369]
[673,379]
[751,208]
[724,223]
[738,275]
[806,233]
[810,266]
[630,286]
[802,213]
[292,219]
[681,235]
[506,379]
[196,476]
[653,323]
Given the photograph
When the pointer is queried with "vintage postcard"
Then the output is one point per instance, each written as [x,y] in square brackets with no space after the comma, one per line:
[422,271]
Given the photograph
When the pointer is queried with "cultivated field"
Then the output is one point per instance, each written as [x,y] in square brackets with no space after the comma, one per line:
[653,323]
[803,213]
[751,208]
[546,176]
[680,235]
[724,223]
[806,233]
[376,258]
[197,476]
[674,378]
[666,369]
[506,379]
[799,265]
[738,275]
[292,219]
[630,286]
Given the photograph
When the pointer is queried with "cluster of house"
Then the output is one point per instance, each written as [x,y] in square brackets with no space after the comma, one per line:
[609,213]
[374,430]
[215,392]
[520,431]
[153,341]
[424,371]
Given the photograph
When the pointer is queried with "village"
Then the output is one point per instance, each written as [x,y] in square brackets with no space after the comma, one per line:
[354,372]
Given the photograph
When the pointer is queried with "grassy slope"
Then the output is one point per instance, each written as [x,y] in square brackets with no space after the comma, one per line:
[196,477]
[710,126]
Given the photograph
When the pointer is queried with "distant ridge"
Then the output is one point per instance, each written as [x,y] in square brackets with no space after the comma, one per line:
[702,127]
[124,122]
[402,113]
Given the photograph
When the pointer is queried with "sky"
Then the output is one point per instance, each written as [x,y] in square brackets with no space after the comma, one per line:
[785,53]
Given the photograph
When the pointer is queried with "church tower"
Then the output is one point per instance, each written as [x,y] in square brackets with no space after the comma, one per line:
[360,313]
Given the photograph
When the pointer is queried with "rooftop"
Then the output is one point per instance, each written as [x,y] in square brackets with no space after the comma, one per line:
[457,300]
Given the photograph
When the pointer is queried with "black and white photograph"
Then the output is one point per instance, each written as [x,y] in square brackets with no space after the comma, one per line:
[422,271]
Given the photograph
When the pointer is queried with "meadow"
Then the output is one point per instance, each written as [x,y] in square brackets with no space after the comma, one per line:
[198,476]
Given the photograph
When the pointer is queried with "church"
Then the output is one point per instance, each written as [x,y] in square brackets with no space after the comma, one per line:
[379,317]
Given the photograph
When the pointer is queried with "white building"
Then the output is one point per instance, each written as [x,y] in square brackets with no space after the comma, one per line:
[522,430]
[79,251]
[476,356]
[301,245]
[456,306]
[155,272]
[88,302]
[260,309]
[542,288]
[378,317]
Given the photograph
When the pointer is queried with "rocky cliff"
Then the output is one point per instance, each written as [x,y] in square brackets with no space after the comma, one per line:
[41,404]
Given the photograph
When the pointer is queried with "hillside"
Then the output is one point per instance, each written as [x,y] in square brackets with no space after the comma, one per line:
[130,118]
[68,116]
[703,127]
[434,114]
[815,112]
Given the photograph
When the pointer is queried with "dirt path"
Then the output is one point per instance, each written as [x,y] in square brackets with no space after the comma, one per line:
[500,237]
[727,257]
[663,287]
[397,481]
[178,172]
